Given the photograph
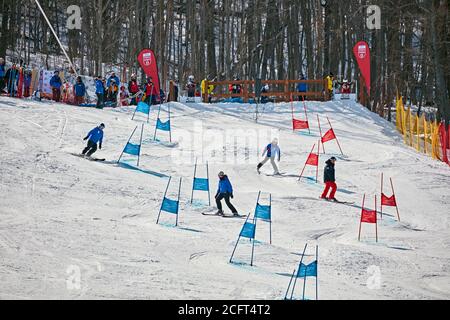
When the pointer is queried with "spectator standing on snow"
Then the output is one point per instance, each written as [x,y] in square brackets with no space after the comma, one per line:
[56,83]
[99,91]
[302,88]
[330,180]
[133,89]
[2,74]
[224,191]
[79,90]
[95,136]
[271,152]
[113,77]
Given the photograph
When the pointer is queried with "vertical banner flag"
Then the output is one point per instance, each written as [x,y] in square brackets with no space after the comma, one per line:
[147,60]
[362,55]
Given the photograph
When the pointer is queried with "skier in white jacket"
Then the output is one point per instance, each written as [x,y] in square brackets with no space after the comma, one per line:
[271,152]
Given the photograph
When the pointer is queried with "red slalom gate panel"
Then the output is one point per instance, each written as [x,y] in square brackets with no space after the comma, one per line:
[313,160]
[368,216]
[388,201]
[328,136]
[299,124]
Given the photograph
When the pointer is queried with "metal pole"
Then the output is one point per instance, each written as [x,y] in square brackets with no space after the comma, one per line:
[320,131]
[207,178]
[317,272]
[335,136]
[299,268]
[360,220]
[270,221]
[306,113]
[237,242]
[157,118]
[170,125]
[253,241]
[193,183]
[376,221]
[289,285]
[381,210]
[301,174]
[56,36]
[178,205]
[126,144]
[140,145]
[317,167]
[165,192]
[396,208]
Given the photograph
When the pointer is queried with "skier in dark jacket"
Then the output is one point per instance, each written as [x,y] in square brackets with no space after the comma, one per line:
[224,191]
[95,136]
[12,77]
[56,83]
[330,180]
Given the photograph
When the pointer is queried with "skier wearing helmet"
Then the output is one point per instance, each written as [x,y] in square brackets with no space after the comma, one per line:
[271,152]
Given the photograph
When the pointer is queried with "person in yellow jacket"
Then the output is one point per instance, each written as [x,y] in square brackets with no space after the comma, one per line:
[330,79]
[210,87]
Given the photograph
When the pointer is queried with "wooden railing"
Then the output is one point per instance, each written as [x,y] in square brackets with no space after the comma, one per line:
[281,90]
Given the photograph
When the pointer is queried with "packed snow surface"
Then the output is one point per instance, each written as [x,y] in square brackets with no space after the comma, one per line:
[71,228]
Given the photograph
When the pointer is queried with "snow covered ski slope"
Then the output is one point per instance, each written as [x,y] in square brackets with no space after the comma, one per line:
[77,229]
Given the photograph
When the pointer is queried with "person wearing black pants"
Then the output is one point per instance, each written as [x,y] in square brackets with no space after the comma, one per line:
[95,136]
[224,191]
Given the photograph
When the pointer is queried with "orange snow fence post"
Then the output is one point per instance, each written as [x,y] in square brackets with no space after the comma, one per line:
[388,201]
[368,216]
[313,160]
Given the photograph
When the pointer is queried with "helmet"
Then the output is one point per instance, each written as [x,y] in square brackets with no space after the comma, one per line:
[275,141]
[191,77]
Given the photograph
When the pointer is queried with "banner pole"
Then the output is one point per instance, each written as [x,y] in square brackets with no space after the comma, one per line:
[237,242]
[289,285]
[376,220]
[140,144]
[207,178]
[306,113]
[318,157]
[193,183]
[270,221]
[317,272]
[396,205]
[170,125]
[157,119]
[301,174]
[381,196]
[299,268]
[320,131]
[165,193]
[178,206]
[360,220]
[127,144]
[335,136]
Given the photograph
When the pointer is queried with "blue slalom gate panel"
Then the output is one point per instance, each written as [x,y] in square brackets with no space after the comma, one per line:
[309,270]
[164,126]
[133,149]
[201,184]
[263,212]
[248,230]
[143,107]
[170,206]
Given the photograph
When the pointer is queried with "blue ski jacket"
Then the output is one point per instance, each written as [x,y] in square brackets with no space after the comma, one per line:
[272,150]
[99,87]
[55,82]
[302,87]
[95,135]
[2,70]
[116,79]
[80,89]
[225,186]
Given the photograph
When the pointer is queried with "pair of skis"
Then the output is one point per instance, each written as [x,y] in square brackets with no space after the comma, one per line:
[223,215]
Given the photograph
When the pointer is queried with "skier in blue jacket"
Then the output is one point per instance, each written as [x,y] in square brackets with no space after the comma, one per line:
[95,136]
[224,191]
[113,77]
[2,74]
[271,152]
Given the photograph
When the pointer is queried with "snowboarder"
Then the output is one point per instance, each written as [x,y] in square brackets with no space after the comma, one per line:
[99,91]
[56,83]
[224,191]
[270,153]
[330,180]
[95,136]
[80,90]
